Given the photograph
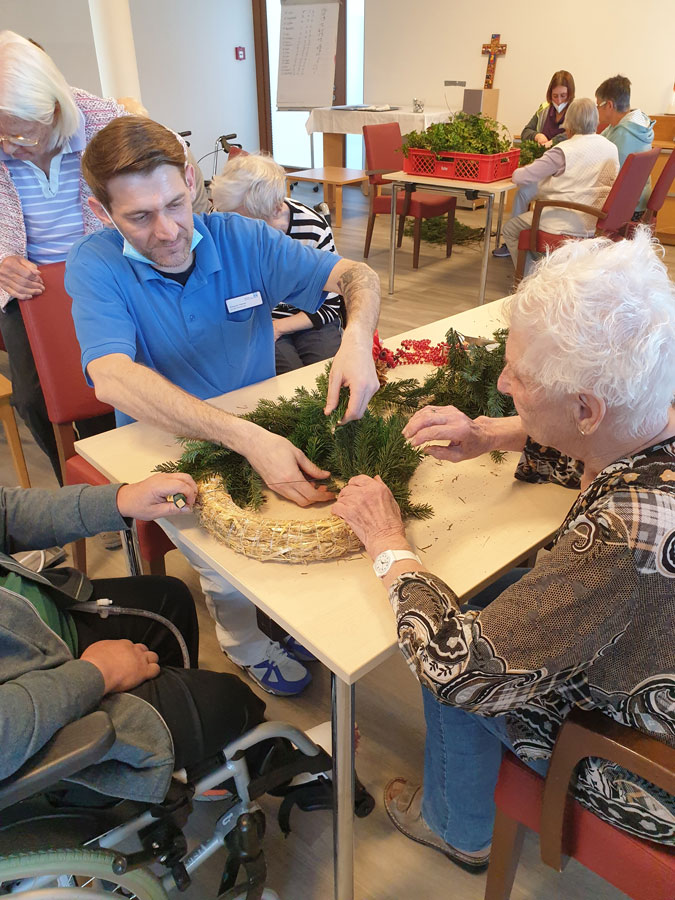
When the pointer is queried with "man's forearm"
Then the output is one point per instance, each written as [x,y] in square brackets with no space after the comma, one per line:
[360,288]
[149,397]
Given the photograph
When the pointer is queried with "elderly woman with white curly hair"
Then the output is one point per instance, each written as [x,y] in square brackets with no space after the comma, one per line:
[581,169]
[254,185]
[590,364]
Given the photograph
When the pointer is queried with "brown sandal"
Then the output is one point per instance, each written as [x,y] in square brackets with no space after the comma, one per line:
[403,802]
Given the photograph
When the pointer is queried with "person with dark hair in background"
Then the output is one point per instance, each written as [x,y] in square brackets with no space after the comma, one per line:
[630,129]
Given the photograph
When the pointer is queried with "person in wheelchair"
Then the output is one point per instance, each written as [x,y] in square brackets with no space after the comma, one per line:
[76,783]
[128,646]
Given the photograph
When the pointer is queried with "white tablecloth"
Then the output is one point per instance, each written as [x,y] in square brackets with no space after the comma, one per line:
[351,121]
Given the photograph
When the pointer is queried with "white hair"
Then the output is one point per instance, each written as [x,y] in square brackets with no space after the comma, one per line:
[600,318]
[582,116]
[253,181]
[31,86]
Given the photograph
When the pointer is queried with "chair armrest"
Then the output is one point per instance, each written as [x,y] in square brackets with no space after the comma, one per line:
[539,205]
[591,733]
[74,747]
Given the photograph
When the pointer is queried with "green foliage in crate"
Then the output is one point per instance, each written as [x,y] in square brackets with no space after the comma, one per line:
[462,133]
[374,445]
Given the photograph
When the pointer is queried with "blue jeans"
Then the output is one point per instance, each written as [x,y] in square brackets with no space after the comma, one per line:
[462,755]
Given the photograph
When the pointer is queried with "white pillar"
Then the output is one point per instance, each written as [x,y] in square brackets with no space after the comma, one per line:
[115,52]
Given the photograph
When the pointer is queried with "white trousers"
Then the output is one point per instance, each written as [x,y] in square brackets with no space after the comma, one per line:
[234,614]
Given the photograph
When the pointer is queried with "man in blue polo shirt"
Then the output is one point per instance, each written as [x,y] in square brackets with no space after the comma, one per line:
[171,309]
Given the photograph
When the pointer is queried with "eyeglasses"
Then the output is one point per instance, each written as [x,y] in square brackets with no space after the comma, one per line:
[18,140]
[600,105]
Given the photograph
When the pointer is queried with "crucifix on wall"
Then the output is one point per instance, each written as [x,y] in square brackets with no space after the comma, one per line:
[492,50]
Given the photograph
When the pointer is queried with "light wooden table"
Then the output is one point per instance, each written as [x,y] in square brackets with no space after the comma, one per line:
[473,190]
[333,179]
[485,521]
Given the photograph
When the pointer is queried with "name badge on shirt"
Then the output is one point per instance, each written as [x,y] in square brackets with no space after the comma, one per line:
[245,301]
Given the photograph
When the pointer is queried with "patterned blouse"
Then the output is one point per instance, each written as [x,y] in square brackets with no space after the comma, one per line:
[591,625]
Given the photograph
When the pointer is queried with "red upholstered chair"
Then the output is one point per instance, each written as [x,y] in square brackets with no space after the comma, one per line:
[612,219]
[68,397]
[642,869]
[383,154]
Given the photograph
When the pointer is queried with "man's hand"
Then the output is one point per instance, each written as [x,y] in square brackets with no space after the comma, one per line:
[353,365]
[286,469]
[20,278]
[122,664]
[146,499]
[368,507]
[354,368]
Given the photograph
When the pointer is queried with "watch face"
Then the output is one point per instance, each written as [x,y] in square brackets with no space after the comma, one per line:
[383,563]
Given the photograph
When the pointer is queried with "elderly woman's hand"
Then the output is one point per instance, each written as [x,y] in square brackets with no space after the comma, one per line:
[20,278]
[466,438]
[368,507]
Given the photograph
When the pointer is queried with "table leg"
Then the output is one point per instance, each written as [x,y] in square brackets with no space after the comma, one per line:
[500,217]
[338,205]
[333,149]
[392,236]
[342,712]
[486,248]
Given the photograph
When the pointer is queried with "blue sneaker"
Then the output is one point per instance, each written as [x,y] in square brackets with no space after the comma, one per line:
[279,673]
[296,649]
[501,252]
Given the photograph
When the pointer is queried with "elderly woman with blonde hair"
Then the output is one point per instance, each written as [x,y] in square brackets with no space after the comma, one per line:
[581,169]
[590,364]
[44,127]
[254,185]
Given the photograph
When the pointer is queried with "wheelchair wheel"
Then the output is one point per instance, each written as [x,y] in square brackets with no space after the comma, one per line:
[62,871]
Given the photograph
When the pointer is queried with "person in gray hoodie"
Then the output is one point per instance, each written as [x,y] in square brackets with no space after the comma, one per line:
[60,659]
[630,129]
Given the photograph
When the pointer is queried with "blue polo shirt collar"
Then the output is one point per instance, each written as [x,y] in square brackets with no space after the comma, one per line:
[207,260]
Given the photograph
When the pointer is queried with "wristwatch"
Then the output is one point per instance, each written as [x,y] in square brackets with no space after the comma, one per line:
[385,560]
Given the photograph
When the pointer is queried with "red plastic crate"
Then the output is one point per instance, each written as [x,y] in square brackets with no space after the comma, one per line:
[482,167]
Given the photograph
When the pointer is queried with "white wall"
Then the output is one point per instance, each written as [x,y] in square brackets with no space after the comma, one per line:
[185,50]
[190,79]
[412,48]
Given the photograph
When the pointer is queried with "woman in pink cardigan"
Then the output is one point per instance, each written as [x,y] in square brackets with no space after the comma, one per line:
[44,127]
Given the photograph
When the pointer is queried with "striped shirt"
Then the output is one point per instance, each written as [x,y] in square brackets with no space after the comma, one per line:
[52,207]
[310,228]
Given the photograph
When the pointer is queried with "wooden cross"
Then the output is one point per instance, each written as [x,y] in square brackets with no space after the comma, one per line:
[493,50]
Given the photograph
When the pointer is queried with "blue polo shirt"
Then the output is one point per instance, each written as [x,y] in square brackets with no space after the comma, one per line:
[188,334]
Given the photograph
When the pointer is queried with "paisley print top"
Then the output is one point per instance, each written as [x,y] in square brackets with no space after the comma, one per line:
[591,625]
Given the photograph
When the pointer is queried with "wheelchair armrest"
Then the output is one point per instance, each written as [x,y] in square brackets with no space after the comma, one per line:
[74,747]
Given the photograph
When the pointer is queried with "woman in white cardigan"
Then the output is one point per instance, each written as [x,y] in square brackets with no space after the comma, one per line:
[581,169]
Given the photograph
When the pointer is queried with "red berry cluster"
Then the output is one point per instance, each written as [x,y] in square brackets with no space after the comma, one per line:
[410,352]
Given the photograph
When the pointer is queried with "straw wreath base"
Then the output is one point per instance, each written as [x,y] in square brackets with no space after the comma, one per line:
[254,535]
